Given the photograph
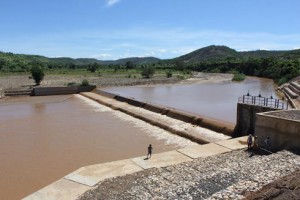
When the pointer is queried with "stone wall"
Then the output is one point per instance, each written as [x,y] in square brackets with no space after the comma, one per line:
[283,130]
[245,120]
[45,91]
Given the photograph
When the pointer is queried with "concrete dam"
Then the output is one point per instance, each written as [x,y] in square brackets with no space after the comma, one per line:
[177,122]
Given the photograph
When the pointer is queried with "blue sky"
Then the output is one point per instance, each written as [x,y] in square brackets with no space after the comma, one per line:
[112,29]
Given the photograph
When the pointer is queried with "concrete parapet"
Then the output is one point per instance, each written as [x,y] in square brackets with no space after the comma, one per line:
[106,94]
[136,103]
[284,132]
[45,91]
[185,117]
[153,108]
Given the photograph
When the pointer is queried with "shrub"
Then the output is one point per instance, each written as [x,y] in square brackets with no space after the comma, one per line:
[37,74]
[238,77]
[169,74]
[148,72]
[85,83]
[181,77]
[71,84]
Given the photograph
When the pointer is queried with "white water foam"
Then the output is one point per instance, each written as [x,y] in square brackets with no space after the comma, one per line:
[158,133]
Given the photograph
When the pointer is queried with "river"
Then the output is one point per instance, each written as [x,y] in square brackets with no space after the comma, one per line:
[43,139]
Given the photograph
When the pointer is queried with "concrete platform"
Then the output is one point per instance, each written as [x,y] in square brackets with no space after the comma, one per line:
[161,160]
[93,174]
[235,143]
[80,181]
[203,150]
[62,189]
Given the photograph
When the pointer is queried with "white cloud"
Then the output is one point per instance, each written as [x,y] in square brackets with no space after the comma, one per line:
[111,2]
[102,56]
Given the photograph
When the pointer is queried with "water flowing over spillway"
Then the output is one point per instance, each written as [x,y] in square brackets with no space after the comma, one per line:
[44,138]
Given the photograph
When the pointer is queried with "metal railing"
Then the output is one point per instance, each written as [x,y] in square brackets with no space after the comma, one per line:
[263,101]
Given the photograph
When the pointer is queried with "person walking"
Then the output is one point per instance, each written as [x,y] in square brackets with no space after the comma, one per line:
[150,148]
[268,143]
[249,141]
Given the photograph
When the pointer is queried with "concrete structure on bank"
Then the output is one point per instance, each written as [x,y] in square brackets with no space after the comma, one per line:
[46,91]
[246,118]
[283,128]
[247,108]
[78,182]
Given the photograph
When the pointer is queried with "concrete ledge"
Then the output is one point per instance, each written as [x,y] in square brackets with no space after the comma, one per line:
[78,182]
[203,150]
[62,189]
[161,160]
[93,174]
[45,91]
[234,144]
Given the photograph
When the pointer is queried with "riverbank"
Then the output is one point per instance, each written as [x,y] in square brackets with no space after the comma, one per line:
[22,81]
[231,175]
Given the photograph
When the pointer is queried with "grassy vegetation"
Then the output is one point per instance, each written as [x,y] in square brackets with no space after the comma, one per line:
[281,66]
[238,77]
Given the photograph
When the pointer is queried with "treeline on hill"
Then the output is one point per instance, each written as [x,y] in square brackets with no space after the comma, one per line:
[279,70]
[278,65]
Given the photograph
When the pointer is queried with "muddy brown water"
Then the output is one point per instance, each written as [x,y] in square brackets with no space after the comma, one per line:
[213,100]
[43,139]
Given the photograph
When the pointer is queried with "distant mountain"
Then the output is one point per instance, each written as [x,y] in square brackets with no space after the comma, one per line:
[135,60]
[207,54]
[23,59]
[223,53]
[210,53]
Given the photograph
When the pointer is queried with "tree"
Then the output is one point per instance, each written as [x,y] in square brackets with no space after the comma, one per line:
[129,65]
[92,67]
[180,65]
[148,72]
[37,74]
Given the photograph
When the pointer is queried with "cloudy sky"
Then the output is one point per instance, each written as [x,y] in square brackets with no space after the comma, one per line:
[112,29]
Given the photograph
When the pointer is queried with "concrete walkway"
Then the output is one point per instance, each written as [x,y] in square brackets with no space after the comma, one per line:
[78,182]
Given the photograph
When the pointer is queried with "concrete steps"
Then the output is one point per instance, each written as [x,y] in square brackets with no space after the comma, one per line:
[290,92]
[21,92]
[296,86]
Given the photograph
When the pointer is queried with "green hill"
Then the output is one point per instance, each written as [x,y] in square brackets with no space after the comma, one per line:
[223,53]
[210,53]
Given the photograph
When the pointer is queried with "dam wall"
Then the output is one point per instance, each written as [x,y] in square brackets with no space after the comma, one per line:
[198,120]
[46,91]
